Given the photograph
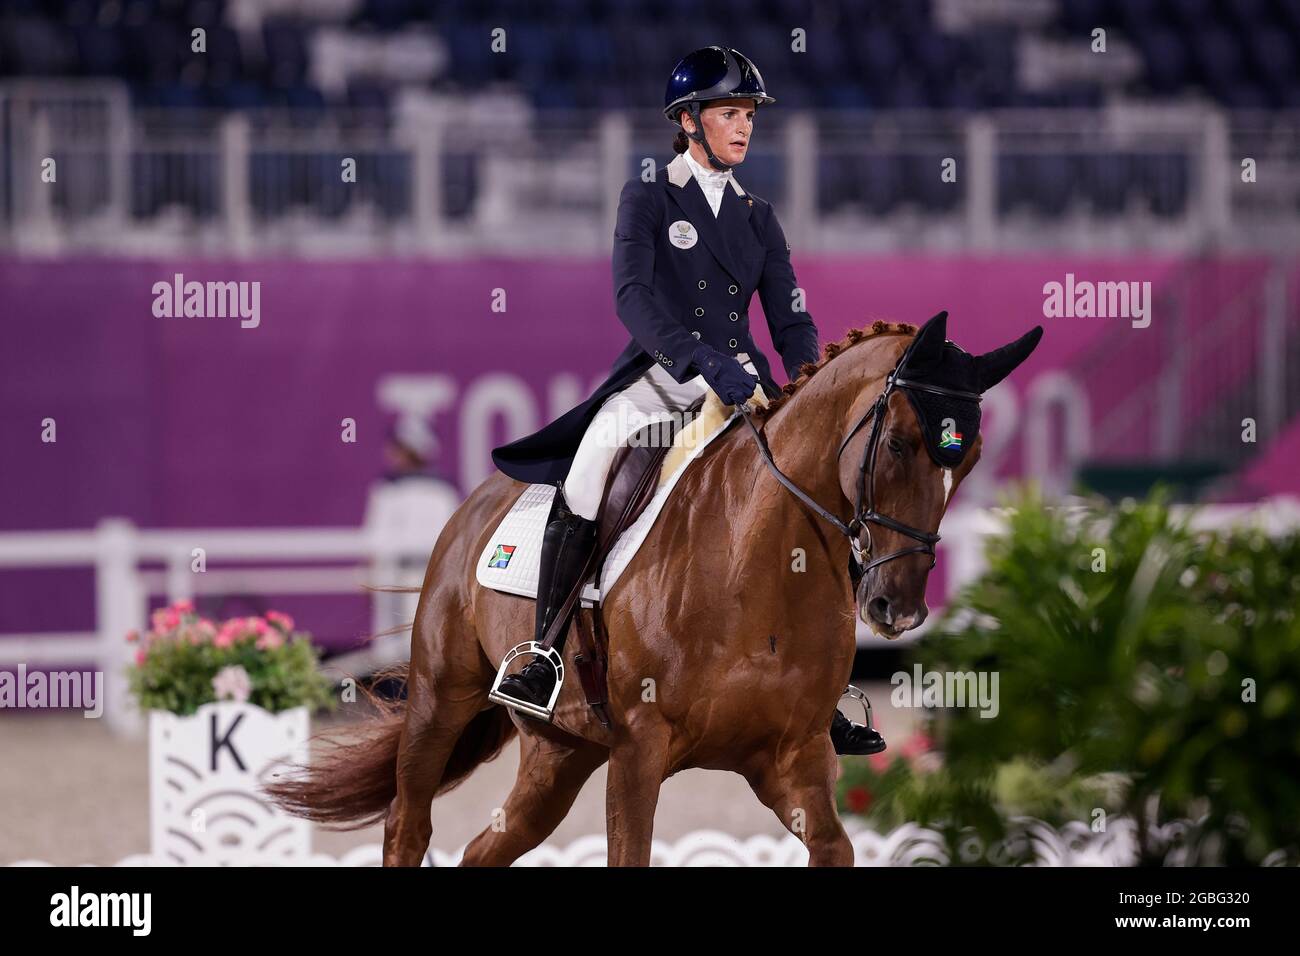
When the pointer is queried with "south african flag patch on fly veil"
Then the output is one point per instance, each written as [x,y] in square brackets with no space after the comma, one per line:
[501,557]
[950,439]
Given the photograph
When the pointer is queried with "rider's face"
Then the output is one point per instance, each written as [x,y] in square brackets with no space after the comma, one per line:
[728,125]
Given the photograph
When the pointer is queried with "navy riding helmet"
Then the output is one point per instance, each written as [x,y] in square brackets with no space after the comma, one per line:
[712,73]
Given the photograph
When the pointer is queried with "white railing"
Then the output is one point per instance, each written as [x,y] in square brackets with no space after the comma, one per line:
[965,531]
[431,178]
[118,551]
[292,561]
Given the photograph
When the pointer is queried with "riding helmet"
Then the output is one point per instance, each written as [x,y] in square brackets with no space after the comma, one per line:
[713,73]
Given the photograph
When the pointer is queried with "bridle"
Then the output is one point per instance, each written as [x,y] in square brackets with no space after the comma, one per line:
[864,512]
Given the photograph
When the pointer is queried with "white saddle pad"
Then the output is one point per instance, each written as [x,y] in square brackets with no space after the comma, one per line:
[511,560]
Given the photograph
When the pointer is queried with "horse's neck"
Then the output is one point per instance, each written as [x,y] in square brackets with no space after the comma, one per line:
[805,434]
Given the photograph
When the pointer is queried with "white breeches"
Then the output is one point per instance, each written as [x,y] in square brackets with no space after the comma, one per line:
[654,397]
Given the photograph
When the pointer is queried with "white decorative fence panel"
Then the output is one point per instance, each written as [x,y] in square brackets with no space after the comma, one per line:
[908,845]
[205,775]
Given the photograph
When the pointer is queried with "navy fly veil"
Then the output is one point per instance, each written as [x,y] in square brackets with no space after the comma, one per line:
[950,423]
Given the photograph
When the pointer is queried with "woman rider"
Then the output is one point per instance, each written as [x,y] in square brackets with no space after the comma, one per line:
[691,247]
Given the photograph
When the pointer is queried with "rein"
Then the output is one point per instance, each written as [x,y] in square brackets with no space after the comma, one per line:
[864,512]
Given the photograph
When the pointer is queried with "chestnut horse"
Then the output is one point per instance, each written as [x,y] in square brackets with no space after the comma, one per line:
[731,636]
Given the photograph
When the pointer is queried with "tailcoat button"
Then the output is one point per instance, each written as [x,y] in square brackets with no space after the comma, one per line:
[703,284]
[733,289]
[699,310]
[732,343]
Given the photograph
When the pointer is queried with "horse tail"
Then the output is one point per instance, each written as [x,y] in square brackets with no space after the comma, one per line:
[354,780]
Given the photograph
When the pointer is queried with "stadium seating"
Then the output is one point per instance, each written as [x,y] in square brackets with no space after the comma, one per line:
[599,54]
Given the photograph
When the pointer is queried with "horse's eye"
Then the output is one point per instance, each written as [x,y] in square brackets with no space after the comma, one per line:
[896,446]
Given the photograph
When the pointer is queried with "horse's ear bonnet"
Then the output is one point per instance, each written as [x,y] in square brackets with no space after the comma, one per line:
[949,424]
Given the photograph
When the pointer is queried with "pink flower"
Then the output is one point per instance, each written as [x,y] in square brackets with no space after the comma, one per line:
[232,683]
[165,620]
[132,636]
[140,657]
[228,633]
[183,606]
[270,640]
[916,745]
[283,621]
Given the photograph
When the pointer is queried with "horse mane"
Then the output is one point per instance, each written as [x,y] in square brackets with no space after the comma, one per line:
[829,352]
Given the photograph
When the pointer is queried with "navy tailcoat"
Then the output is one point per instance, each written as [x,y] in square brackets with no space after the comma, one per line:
[681,277]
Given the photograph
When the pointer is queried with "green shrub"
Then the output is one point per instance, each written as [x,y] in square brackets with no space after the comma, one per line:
[1164,686]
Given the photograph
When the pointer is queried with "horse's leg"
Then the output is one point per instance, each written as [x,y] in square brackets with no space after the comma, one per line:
[447,686]
[427,741]
[800,790]
[637,766]
[550,776]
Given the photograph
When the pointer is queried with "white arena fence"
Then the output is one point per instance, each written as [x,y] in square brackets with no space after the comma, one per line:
[132,565]
[1075,844]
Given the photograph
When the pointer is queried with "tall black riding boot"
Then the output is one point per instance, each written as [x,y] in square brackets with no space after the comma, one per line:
[566,546]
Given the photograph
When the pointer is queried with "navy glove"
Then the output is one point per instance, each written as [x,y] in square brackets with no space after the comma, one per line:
[725,375]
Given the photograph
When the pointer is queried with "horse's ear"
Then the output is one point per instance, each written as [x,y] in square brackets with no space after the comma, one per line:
[927,347]
[993,367]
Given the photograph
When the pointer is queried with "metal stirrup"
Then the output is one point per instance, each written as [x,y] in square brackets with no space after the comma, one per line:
[548,654]
[859,696]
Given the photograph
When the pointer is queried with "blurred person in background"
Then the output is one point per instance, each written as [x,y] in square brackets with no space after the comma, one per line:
[405,512]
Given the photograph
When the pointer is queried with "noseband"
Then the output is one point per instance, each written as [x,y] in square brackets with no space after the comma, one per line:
[864,512]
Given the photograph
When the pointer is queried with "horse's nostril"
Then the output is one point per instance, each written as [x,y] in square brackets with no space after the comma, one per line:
[881,611]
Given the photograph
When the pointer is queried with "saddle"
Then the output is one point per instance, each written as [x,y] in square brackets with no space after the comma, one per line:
[632,481]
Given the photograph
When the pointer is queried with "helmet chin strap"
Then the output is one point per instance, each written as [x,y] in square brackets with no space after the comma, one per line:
[703,140]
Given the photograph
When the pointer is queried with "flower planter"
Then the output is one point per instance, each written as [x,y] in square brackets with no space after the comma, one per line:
[206,771]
